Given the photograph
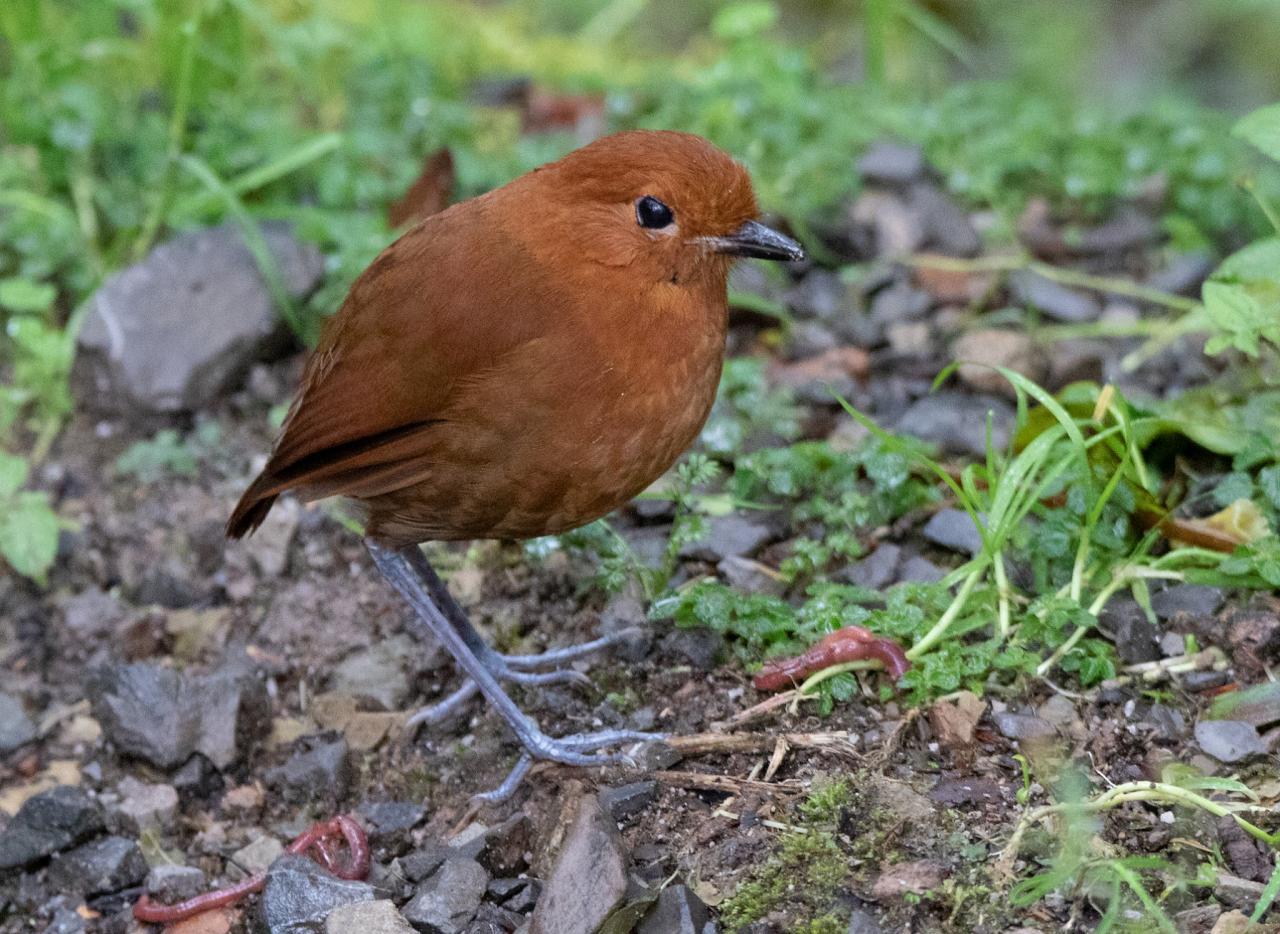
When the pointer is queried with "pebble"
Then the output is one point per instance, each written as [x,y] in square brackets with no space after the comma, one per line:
[954,792]
[953,529]
[376,673]
[16,728]
[323,772]
[50,821]
[1137,639]
[700,648]
[1022,726]
[820,295]
[751,576]
[985,348]
[377,917]
[626,801]
[910,338]
[1053,299]
[918,570]
[254,857]
[900,302]
[1229,740]
[913,878]
[1235,892]
[1184,274]
[947,228]
[898,229]
[732,534]
[299,895]
[863,922]
[625,611]
[101,866]
[957,421]
[590,876]
[677,911]
[390,823]
[1168,721]
[448,899]
[516,894]
[170,883]
[1190,601]
[891,163]
[146,806]
[876,571]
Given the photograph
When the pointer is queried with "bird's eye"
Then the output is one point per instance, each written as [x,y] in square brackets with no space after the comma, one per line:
[652,213]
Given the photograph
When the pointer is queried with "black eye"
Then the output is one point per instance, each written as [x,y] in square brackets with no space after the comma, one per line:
[652,213]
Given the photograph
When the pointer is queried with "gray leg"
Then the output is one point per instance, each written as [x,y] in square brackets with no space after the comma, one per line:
[408,571]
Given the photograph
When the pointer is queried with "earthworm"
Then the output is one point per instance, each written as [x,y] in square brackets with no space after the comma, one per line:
[315,839]
[843,645]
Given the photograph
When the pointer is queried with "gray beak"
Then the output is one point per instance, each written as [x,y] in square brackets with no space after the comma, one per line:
[756,240]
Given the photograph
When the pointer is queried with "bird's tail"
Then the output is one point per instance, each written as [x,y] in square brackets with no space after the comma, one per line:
[252,509]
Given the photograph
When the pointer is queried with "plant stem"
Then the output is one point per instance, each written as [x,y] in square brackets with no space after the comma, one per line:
[877,14]
[934,635]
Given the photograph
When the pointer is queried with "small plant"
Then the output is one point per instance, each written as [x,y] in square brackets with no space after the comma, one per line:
[167,454]
[28,524]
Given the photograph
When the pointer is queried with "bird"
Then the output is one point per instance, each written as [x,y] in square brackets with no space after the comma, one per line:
[519,365]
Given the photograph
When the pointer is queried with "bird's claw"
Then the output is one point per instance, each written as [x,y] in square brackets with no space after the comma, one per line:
[567,750]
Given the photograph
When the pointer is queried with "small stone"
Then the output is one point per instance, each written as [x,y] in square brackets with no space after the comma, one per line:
[448,900]
[197,778]
[891,164]
[947,227]
[1235,892]
[106,865]
[625,613]
[299,895]
[876,571]
[898,229]
[1229,740]
[1199,919]
[366,730]
[378,917]
[1079,359]
[425,860]
[377,673]
[701,648]
[809,339]
[814,380]
[901,800]
[1052,299]
[1184,274]
[390,823]
[1172,644]
[16,728]
[953,529]
[910,338]
[1168,722]
[1190,602]
[954,720]
[146,806]
[677,911]
[1060,711]
[751,576]
[918,570]
[655,756]
[913,878]
[983,349]
[820,295]
[954,792]
[863,922]
[626,801]
[516,894]
[1235,922]
[168,883]
[1022,726]
[254,857]
[727,535]
[957,422]
[323,772]
[590,876]
[48,822]
[1137,639]
[900,302]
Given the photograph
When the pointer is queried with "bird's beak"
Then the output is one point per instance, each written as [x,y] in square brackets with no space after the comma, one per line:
[756,240]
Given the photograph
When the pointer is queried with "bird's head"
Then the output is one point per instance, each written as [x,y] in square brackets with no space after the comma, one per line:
[669,207]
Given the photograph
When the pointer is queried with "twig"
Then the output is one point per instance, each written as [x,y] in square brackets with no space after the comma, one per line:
[839,742]
[726,783]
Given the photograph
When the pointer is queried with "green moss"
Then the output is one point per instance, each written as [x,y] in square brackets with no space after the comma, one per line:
[803,876]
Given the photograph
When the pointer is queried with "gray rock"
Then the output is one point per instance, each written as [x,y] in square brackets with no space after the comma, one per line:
[701,648]
[255,857]
[1235,892]
[1184,275]
[1052,299]
[106,865]
[378,917]
[492,919]
[750,576]
[863,922]
[654,756]
[299,895]
[957,422]
[947,226]
[918,570]
[1192,601]
[953,529]
[162,716]
[677,911]
[425,860]
[66,921]
[590,876]
[821,296]
[377,673]
[390,823]
[876,571]
[983,349]
[516,894]
[890,163]
[1022,726]
[810,338]
[625,613]
[16,728]
[1079,359]
[1229,740]
[323,772]
[448,900]
[732,534]
[175,331]
[954,792]
[625,801]
[1137,639]
[146,806]
[900,302]
[50,821]
[168,883]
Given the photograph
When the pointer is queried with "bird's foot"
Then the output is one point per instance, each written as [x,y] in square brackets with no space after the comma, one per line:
[569,750]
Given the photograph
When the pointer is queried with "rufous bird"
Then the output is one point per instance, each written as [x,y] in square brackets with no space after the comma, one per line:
[519,365]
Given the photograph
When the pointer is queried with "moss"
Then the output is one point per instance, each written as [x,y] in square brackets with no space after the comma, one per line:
[804,875]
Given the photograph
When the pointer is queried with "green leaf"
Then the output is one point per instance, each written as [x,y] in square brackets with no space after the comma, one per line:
[24,295]
[740,20]
[1269,894]
[13,473]
[29,535]
[1258,262]
[1238,318]
[1262,129]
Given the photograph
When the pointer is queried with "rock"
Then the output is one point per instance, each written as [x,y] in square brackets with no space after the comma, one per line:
[1184,274]
[390,823]
[1137,639]
[863,922]
[146,806]
[449,898]
[1235,892]
[891,164]
[66,921]
[984,348]
[491,919]
[1190,602]
[1168,722]
[1060,711]
[900,302]
[918,570]
[254,857]
[590,876]
[299,895]
[897,228]
[876,571]
[901,800]
[168,883]
[821,296]
[504,849]
[954,720]
[177,330]
[1022,726]
[947,227]
[809,339]
[48,822]
[268,547]
[323,772]
[913,878]
[957,422]
[515,894]
[197,778]
[701,648]
[16,728]
[376,673]
[1235,922]
[732,534]
[1199,919]
[92,612]
[378,917]
[1052,299]
[953,529]
[1229,740]
[954,792]
[677,911]
[106,865]
[815,379]
[625,801]
[425,860]
[751,576]
[162,716]
[626,613]
[655,755]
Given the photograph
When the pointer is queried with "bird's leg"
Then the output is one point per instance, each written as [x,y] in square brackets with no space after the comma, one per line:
[402,567]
